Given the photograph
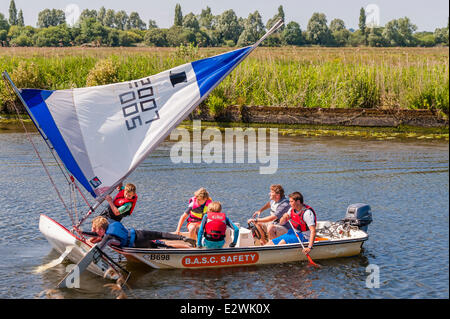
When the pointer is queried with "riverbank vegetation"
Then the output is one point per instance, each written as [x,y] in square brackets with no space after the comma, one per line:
[107,27]
[394,78]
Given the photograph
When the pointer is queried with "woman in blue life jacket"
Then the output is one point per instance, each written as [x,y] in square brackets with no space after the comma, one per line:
[117,235]
[212,230]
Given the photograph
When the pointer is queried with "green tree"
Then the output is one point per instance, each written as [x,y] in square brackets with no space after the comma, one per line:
[339,32]
[3,37]
[47,18]
[52,36]
[191,22]
[253,29]
[156,37]
[92,31]
[101,15]
[12,13]
[362,24]
[152,24]
[317,31]
[400,32]
[88,14]
[177,36]
[121,20]
[136,21]
[425,39]
[375,38]
[20,20]
[178,20]
[4,25]
[275,39]
[206,19]
[275,18]
[441,35]
[292,34]
[110,18]
[228,27]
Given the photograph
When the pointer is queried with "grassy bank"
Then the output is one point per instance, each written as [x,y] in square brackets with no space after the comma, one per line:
[407,78]
[12,124]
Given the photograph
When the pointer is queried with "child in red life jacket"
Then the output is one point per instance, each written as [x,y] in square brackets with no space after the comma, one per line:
[197,208]
[123,203]
[212,229]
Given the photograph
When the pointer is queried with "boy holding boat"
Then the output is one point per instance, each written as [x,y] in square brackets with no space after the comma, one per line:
[269,227]
[303,220]
[116,234]
[212,230]
[197,208]
[123,203]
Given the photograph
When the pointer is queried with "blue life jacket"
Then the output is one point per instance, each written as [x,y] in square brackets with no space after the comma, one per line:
[125,236]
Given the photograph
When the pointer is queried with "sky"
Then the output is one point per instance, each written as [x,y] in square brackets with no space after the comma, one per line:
[426,15]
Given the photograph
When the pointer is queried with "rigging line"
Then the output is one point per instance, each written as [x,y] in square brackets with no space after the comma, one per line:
[37,153]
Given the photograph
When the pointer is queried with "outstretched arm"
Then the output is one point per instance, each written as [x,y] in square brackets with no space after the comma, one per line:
[235,232]
[200,231]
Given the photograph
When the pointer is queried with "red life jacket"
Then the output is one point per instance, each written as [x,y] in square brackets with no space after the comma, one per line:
[197,211]
[297,218]
[216,226]
[120,200]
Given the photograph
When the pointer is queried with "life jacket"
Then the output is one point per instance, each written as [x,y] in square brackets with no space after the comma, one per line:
[197,211]
[297,218]
[120,200]
[216,226]
[126,237]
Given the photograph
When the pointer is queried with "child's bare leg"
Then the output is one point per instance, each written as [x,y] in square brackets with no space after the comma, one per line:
[177,244]
[193,229]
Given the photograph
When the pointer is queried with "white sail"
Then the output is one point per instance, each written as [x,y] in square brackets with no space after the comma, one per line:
[103,133]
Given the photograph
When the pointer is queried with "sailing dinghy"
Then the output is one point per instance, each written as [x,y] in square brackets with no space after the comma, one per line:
[83,125]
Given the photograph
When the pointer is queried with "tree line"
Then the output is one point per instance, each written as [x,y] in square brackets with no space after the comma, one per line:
[106,27]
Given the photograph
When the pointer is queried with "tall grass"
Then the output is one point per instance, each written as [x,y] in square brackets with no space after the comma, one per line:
[398,78]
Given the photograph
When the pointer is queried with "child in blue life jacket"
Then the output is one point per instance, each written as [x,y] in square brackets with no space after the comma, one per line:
[116,234]
[212,230]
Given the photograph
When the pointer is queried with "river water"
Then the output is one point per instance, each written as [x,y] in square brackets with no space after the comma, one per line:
[405,182]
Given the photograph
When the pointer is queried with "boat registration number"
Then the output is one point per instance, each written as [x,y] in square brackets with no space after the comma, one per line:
[157,257]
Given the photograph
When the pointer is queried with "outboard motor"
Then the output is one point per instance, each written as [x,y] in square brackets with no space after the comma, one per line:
[359,215]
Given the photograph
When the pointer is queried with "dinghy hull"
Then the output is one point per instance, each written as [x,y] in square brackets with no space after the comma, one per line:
[62,240]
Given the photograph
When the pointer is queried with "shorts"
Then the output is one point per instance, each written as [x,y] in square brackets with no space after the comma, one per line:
[279,230]
[212,244]
[289,238]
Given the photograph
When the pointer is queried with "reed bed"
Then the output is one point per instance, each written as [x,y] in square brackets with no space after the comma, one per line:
[406,78]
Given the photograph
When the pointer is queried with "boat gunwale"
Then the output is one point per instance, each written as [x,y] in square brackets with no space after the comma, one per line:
[196,251]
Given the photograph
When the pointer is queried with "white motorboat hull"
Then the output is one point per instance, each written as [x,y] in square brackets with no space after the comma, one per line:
[244,254]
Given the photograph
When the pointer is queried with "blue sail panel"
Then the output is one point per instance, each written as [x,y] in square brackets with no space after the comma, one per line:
[211,71]
[35,101]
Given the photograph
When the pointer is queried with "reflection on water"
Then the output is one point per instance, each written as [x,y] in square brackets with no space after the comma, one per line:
[405,182]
